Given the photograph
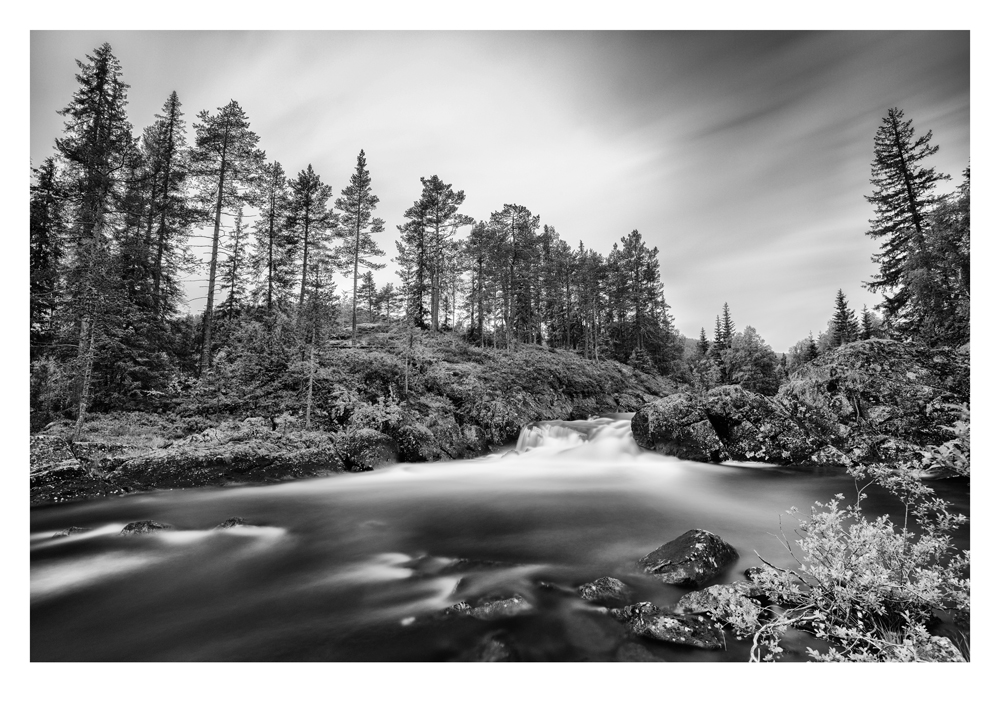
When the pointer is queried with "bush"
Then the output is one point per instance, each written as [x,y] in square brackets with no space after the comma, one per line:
[868,586]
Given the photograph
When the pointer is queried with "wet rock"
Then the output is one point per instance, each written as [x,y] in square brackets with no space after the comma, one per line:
[736,604]
[143,527]
[690,560]
[231,522]
[459,608]
[677,425]
[488,609]
[633,652]
[754,427]
[607,591]
[70,531]
[645,619]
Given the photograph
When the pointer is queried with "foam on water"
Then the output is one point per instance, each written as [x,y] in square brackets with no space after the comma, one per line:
[66,576]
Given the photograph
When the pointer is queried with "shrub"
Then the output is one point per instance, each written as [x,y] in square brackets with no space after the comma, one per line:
[868,586]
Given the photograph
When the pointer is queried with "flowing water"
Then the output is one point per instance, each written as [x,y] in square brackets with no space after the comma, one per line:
[357,567]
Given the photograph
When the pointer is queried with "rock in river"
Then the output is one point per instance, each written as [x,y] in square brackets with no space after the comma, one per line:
[645,619]
[690,560]
[606,590]
[143,527]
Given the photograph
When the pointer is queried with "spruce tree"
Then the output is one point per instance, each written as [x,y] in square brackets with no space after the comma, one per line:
[866,323]
[903,198]
[728,327]
[844,327]
[170,215]
[226,163]
[96,146]
[356,204]
[234,269]
[812,352]
[703,344]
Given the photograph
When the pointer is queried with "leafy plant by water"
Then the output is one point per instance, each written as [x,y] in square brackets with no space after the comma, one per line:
[870,587]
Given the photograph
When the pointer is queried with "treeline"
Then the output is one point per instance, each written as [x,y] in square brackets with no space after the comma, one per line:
[113,216]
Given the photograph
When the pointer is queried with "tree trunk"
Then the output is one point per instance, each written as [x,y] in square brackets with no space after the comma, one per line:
[87,360]
[354,299]
[312,375]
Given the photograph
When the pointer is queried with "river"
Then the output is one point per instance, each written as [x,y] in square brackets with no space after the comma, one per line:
[356,567]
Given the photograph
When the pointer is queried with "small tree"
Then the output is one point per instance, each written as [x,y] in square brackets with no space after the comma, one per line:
[844,327]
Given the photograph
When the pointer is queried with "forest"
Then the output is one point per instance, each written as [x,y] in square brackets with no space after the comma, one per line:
[113,216]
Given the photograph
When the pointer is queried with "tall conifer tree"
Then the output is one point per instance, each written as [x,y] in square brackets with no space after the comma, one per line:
[227,163]
[96,145]
[903,198]
[356,204]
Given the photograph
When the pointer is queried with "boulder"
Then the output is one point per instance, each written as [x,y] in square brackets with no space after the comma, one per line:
[735,604]
[367,449]
[143,527]
[231,522]
[645,619]
[606,591]
[678,425]
[690,560]
[754,427]
[52,455]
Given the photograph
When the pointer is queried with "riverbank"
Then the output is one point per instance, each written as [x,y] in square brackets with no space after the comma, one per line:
[370,408]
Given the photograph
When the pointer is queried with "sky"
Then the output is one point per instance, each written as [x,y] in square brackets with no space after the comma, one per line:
[743,156]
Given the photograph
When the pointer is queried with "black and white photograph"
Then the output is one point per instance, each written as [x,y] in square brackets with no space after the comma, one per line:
[500,345]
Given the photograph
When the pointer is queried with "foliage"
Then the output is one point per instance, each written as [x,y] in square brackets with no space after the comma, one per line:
[868,586]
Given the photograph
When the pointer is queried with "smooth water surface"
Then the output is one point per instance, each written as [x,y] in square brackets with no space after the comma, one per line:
[355,567]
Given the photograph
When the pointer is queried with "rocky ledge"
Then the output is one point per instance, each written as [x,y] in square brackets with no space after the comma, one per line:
[866,402]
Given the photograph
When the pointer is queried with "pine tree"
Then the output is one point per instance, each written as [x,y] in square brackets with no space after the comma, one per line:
[309,220]
[903,198]
[439,205]
[356,204]
[96,146]
[225,159]
[844,327]
[48,231]
[515,228]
